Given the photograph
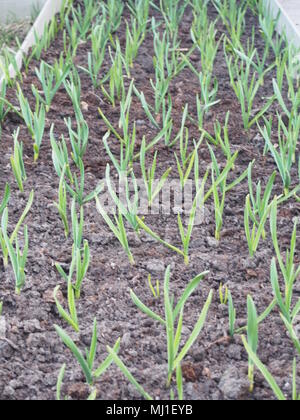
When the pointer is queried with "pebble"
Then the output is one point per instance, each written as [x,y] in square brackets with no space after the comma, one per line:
[2,326]
[8,392]
[234,352]
[126,340]
[212,242]
[233,383]
[156,266]
[31,326]
[249,263]
[6,351]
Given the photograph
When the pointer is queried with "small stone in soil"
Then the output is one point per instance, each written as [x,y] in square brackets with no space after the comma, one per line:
[212,242]
[156,266]
[2,326]
[233,383]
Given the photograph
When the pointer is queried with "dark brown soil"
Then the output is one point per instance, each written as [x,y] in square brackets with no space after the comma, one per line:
[216,367]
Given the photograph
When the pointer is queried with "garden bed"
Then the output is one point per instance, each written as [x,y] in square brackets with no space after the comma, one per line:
[216,367]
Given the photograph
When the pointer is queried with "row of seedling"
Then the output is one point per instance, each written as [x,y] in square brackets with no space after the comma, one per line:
[78,270]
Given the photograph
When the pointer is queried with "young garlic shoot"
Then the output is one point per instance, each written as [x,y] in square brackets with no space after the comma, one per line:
[279,394]
[252,57]
[83,17]
[252,334]
[149,111]
[78,192]
[259,202]
[118,362]
[258,231]
[80,253]
[289,270]
[172,12]
[134,39]
[208,92]
[293,334]
[245,87]
[5,199]
[291,131]
[282,155]
[153,187]
[17,257]
[127,140]
[293,78]
[59,383]
[173,323]
[164,68]
[185,164]
[41,43]
[219,204]
[155,290]
[126,205]
[50,82]
[281,62]
[222,174]
[125,162]
[154,142]
[113,12]
[61,65]
[182,136]
[203,35]
[223,294]
[34,120]
[99,38]
[233,17]
[269,33]
[78,139]
[257,210]
[13,237]
[8,62]
[71,39]
[115,77]
[219,139]
[139,9]
[186,234]
[117,227]
[60,157]
[62,203]
[207,98]
[167,120]
[82,261]
[16,161]
[76,189]
[87,361]
[219,189]
[77,225]
[71,316]
[72,86]
[161,241]
[231,315]
[3,111]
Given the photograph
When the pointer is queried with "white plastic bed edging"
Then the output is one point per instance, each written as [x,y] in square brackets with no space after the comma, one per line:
[289,18]
[49,10]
